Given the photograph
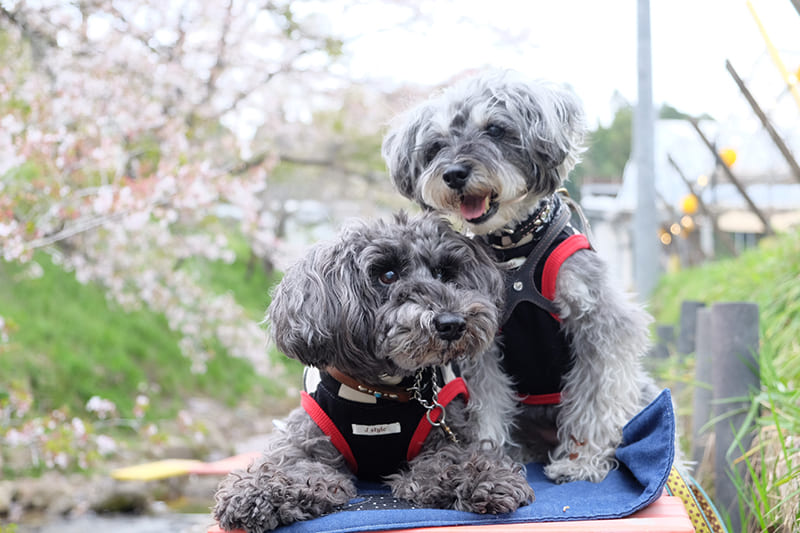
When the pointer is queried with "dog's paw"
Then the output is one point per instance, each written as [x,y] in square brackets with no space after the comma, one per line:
[238,509]
[576,468]
[498,491]
[263,503]
[478,479]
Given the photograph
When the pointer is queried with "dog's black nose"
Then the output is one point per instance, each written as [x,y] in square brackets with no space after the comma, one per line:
[456,175]
[450,326]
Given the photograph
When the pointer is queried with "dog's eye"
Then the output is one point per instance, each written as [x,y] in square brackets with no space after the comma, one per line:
[495,131]
[432,150]
[441,274]
[388,277]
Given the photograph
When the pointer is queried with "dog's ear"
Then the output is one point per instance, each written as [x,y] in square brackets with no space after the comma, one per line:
[319,312]
[554,127]
[400,150]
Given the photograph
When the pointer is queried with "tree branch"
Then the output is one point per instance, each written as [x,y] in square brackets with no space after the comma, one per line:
[328,163]
[219,64]
[38,39]
[81,226]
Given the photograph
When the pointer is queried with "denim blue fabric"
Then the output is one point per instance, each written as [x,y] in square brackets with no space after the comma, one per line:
[645,458]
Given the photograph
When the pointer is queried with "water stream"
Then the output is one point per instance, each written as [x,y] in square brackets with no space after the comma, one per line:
[166,523]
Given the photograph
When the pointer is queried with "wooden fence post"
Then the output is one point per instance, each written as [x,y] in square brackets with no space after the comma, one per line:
[688,326]
[703,393]
[665,338]
[734,337]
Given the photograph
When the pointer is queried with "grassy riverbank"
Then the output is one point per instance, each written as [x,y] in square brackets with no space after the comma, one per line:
[769,276]
[67,343]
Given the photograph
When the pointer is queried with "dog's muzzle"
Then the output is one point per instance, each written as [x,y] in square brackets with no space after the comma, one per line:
[475,209]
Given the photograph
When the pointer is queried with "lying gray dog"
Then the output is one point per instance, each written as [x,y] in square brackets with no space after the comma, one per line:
[492,152]
[385,313]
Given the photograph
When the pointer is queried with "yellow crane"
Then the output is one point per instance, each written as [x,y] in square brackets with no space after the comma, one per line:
[791,79]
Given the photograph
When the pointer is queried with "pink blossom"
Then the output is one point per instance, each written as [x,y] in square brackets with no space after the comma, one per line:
[105,445]
[101,407]
[78,427]
[61,460]
[14,438]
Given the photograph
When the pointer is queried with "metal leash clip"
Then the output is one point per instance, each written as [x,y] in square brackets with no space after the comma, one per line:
[416,393]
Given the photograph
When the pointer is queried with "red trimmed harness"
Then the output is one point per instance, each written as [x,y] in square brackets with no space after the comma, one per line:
[448,393]
[572,244]
[521,284]
[416,438]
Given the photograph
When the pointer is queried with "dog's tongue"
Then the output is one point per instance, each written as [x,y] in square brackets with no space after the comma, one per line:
[473,206]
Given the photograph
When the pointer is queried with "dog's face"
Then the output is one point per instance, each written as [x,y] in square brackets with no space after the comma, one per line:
[487,150]
[388,298]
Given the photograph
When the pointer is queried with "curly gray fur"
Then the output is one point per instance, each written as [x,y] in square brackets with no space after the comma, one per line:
[473,478]
[339,307]
[486,152]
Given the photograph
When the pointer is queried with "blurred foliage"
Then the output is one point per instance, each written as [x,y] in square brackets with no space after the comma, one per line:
[61,329]
[119,152]
[766,275]
[609,148]
[769,276]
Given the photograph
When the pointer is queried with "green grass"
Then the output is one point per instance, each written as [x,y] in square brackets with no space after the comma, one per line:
[769,276]
[244,278]
[69,343]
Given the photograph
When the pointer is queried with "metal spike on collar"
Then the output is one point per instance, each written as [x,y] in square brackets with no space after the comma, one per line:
[530,227]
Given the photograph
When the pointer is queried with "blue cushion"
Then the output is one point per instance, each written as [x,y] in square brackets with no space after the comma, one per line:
[645,458]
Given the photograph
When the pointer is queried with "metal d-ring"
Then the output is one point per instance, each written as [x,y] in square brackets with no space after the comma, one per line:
[416,393]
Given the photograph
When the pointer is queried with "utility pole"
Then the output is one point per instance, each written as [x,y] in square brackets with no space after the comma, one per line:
[645,243]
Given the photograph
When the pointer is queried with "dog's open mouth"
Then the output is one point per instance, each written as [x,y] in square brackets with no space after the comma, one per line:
[477,209]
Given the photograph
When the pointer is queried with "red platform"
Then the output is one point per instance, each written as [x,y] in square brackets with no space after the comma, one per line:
[665,515]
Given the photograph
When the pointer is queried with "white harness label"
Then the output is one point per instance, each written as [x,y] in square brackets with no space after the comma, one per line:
[377,429]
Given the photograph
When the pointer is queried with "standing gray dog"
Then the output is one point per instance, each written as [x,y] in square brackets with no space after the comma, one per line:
[492,152]
[385,313]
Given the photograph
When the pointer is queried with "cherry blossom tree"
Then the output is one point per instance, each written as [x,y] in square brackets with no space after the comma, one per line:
[125,131]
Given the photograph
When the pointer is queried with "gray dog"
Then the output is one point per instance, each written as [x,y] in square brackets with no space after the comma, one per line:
[385,313]
[492,152]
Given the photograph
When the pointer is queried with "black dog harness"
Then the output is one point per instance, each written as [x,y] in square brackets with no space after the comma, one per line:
[375,434]
[536,351]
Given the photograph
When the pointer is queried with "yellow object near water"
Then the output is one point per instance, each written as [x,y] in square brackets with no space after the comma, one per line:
[156,470]
[181,467]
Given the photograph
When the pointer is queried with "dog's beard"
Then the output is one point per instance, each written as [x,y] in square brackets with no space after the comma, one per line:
[410,340]
[488,202]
